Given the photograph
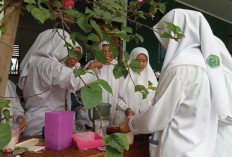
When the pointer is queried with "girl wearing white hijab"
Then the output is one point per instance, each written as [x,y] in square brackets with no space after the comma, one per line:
[105,72]
[41,70]
[132,101]
[224,136]
[16,109]
[192,88]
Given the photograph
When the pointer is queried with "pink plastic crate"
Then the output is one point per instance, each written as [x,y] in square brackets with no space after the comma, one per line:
[87,140]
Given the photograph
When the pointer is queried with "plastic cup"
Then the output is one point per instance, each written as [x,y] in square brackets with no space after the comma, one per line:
[101,126]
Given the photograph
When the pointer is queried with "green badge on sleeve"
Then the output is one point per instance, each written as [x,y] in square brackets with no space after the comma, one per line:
[213,61]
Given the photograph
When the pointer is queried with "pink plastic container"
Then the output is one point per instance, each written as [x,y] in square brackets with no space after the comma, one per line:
[87,140]
[58,129]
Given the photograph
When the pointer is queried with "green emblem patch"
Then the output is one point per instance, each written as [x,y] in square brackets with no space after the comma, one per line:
[213,61]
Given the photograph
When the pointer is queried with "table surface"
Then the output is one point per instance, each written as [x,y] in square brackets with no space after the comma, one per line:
[139,148]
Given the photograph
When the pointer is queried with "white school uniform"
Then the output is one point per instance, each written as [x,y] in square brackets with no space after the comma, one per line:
[192,86]
[41,71]
[224,136]
[15,106]
[128,98]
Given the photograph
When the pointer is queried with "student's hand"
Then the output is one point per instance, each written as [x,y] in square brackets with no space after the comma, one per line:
[129,112]
[95,64]
[124,127]
[22,124]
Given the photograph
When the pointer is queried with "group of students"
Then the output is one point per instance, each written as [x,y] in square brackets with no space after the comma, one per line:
[190,116]
[47,78]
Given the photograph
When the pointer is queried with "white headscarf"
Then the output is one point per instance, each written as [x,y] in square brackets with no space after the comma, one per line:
[198,45]
[147,73]
[48,44]
[103,43]
[126,90]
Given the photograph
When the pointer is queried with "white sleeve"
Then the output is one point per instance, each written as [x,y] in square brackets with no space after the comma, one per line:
[162,111]
[16,107]
[54,73]
[121,106]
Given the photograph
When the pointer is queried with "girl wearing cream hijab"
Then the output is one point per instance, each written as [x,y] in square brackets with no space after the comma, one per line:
[43,68]
[130,101]
[192,88]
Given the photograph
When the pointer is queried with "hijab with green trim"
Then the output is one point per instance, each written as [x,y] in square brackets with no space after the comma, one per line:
[197,48]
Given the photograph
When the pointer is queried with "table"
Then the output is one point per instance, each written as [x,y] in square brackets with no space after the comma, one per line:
[138,149]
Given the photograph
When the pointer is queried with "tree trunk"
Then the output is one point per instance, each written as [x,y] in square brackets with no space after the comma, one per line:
[7,40]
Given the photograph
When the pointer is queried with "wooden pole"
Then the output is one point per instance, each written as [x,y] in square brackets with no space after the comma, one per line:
[11,18]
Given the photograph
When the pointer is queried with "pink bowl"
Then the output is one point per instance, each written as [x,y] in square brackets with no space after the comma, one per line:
[87,140]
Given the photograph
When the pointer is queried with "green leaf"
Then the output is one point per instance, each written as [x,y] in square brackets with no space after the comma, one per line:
[5,135]
[41,14]
[91,95]
[132,4]
[152,2]
[4,103]
[82,22]
[113,50]
[30,1]
[126,56]
[135,65]
[73,52]
[68,45]
[72,12]
[100,56]
[172,27]
[58,3]
[56,25]
[119,71]
[105,139]
[119,142]
[97,28]
[78,36]
[140,37]
[152,87]
[42,1]
[30,7]
[88,11]
[6,114]
[166,35]
[107,17]
[78,72]
[142,16]
[127,29]
[112,152]
[107,29]
[162,7]
[153,9]
[142,89]
[104,84]
[124,37]
[115,30]
[93,37]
